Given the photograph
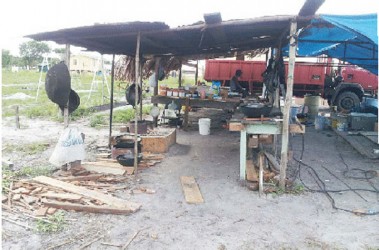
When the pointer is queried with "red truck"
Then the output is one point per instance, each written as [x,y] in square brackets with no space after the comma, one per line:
[310,78]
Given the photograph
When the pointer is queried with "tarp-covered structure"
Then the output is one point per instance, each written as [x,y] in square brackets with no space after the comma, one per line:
[350,38]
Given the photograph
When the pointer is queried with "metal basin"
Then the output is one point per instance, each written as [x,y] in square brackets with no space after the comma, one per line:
[256,110]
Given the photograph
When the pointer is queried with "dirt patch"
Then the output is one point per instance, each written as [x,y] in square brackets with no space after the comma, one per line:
[232,217]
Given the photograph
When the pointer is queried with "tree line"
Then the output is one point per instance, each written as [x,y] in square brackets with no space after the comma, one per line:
[31,54]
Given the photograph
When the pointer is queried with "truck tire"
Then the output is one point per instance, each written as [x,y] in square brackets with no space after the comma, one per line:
[346,101]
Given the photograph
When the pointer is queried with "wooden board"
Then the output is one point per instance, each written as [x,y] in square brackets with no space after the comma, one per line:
[235,126]
[90,177]
[88,208]
[297,129]
[108,199]
[71,197]
[251,173]
[191,190]
[104,167]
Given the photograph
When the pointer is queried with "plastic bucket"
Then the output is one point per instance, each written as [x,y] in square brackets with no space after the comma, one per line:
[204,126]
[313,103]
[293,113]
[320,122]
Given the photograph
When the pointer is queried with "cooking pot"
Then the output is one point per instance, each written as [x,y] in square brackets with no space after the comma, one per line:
[256,110]
[130,94]
[128,159]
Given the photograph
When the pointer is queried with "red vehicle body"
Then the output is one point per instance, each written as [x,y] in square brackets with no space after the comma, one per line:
[309,77]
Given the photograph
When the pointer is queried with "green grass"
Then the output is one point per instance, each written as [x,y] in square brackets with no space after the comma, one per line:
[9,175]
[30,149]
[26,82]
[54,223]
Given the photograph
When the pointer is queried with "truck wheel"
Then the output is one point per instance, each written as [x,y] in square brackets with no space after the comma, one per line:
[346,101]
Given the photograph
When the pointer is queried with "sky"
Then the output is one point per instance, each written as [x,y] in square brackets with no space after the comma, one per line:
[24,17]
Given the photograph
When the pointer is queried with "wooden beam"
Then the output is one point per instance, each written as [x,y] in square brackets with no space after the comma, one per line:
[137,66]
[111,103]
[104,167]
[70,197]
[88,208]
[287,104]
[108,199]
[65,110]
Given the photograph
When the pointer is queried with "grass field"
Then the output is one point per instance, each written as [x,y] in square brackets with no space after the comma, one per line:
[24,85]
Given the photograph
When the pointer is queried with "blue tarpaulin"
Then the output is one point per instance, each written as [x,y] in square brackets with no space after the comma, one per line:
[351,38]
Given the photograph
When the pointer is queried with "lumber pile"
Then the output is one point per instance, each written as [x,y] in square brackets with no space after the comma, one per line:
[89,187]
[43,195]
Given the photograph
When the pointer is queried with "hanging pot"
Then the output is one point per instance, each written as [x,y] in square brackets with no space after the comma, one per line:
[130,94]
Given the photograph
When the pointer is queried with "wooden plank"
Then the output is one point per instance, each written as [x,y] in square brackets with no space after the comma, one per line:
[235,126]
[251,173]
[70,197]
[129,170]
[297,128]
[88,208]
[90,177]
[108,199]
[191,190]
[41,211]
[104,167]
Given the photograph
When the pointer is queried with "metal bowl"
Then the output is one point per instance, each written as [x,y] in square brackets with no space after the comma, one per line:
[256,110]
[128,159]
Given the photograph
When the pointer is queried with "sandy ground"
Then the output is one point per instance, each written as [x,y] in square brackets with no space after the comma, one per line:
[232,217]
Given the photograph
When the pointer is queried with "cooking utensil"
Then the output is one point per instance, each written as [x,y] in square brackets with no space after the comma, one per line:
[128,159]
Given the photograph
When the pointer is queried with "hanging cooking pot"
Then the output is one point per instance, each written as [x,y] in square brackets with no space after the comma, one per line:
[58,84]
[131,94]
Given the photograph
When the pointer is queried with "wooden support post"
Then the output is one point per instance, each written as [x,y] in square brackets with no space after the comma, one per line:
[261,159]
[65,111]
[197,72]
[111,103]
[186,113]
[157,61]
[243,146]
[136,106]
[140,82]
[287,104]
[17,117]
[180,74]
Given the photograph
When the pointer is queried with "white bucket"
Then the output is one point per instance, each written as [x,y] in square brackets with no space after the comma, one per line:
[204,126]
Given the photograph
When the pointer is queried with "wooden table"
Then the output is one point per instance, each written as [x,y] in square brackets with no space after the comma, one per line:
[229,104]
[265,126]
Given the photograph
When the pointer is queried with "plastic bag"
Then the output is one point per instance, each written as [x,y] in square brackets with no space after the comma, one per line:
[152,80]
[70,148]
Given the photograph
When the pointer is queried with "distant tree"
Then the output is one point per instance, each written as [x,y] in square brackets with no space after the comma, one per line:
[60,50]
[6,58]
[31,52]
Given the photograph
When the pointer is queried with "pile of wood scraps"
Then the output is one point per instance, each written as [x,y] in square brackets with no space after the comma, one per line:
[44,195]
[105,164]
